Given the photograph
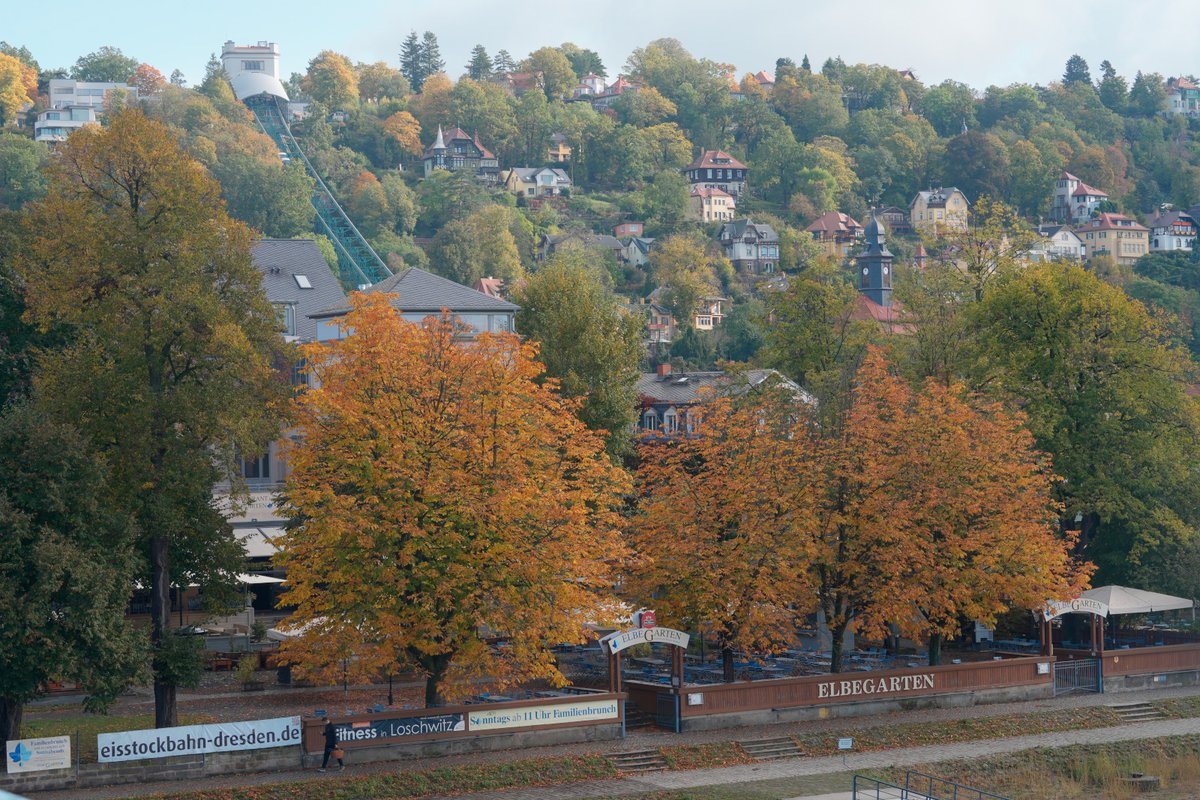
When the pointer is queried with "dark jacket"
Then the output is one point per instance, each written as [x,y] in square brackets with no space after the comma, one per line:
[331,740]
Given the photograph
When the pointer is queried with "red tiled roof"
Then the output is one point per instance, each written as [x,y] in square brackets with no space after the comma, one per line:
[833,222]
[1066,176]
[705,191]
[763,78]
[891,318]
[1084,189]
[483,150]
[492,287]
[708,159]
[1108,222]
[1183,83]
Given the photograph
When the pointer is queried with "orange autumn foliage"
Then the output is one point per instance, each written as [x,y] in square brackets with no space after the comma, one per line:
[404,128]
[716,537]
[443,493]
[912,508]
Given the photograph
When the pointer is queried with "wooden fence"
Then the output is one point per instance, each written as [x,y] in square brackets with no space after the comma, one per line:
[1151,660]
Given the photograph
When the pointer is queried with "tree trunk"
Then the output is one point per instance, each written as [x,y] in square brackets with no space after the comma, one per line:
[835,646]
[435,667]
[727,673]
[10,718]
[935,649]
[165,712]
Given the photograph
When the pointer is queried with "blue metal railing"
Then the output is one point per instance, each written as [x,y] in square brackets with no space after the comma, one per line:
[358,262]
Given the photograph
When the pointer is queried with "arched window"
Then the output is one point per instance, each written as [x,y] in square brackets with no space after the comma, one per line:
[650,420]
[670,421]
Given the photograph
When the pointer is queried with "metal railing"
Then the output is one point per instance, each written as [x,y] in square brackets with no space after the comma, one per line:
[917,786]
[358,262]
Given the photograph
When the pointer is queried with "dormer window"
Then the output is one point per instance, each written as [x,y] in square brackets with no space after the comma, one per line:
[302,281]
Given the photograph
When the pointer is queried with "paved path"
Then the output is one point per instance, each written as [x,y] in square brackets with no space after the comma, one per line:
[903,757]
[646,740]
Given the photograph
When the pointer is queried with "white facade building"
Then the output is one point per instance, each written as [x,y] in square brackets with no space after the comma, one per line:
[56,124]
[1057,243]
[1172,230]
[65,93]
[253,69]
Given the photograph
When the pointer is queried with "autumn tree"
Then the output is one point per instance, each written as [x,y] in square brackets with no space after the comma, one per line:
[586,341]
[170,373]
[480,246]
[721,523]
[442,493]
[558,78]
[378,81]
[331,80]
[18,87]
[683,266]
[147,80]
[976,501]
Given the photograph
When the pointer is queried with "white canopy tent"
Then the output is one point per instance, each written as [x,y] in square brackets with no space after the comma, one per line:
[1123,600]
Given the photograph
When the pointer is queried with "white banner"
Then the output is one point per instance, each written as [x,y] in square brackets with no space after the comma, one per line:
[191,739]
[1081,605]
[502,719]
[616,642]
[31,755]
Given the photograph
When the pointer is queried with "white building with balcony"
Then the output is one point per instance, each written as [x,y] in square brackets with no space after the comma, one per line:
[56,124]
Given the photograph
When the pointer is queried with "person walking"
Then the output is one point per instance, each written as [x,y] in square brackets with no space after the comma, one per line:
[332,747]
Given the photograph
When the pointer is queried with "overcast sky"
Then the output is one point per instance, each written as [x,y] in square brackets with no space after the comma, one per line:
[980,42]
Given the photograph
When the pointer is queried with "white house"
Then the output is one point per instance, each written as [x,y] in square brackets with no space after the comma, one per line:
[253,69]
[1074,200]
[1172,230]
[1057,243]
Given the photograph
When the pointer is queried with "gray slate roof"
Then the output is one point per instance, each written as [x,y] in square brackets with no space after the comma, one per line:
[738,229]
[683,388]
[279,260]
[423,291]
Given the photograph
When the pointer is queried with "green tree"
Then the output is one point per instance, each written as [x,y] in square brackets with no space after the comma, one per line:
[1148,95]
[65,570]
[170,375]
[583,61]
[410,61]
[480,246]
[813,338]
[21,176]
[503,62]
[1106,395]
[402,201]
[948,106]
[558,78]
[585,340]
[431,55]
[978,164]
[106,65]
[446,196]
[480,66]
[1076,71]
[666,203]
[1113,89]
[269,197]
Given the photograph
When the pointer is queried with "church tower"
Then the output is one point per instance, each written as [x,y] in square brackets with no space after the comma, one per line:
[875,265]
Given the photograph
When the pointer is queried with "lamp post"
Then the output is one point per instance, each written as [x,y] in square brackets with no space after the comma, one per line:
[390,701]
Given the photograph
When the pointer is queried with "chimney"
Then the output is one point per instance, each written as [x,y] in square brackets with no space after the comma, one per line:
[663,370]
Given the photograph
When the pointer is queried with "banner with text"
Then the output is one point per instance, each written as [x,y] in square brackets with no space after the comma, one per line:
[32,755]
[384,729]
[503,719]
[192,739]
[616,642]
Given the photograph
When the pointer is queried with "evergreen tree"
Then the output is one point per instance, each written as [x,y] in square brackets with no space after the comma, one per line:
[177,78]
[411,62]
[503,62]
[1077,71]
[480,66]
[1114,91]
[1148,95]
[805,64]
[431,55]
